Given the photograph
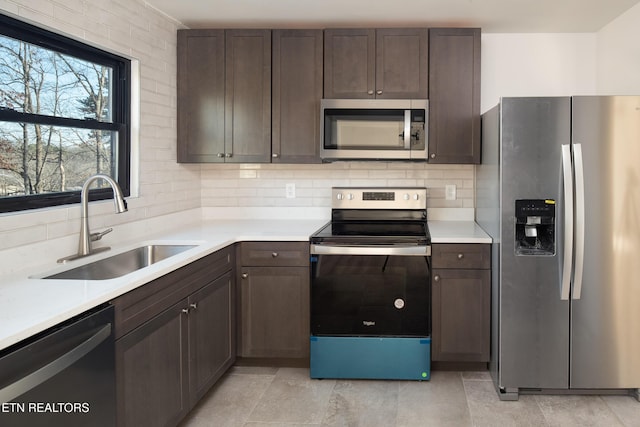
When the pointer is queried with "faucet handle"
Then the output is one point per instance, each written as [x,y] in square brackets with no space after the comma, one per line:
[98,236]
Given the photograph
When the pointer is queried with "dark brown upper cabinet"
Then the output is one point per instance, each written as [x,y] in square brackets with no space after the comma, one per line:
[248,96]
[297,91]
[200,95]
[224,96]
[387,63]
[454,95]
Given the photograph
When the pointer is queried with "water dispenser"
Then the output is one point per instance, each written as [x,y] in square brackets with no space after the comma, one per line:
[535,227]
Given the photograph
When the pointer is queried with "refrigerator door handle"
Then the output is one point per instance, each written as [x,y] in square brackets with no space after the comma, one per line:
[565,286]
[579,220]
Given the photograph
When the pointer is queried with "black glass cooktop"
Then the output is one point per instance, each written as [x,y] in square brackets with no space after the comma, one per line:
[363,232]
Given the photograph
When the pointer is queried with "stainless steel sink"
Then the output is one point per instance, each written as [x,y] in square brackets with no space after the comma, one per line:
[121,264]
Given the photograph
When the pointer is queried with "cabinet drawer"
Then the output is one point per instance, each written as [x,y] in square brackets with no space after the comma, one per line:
[457,255]
[274,254]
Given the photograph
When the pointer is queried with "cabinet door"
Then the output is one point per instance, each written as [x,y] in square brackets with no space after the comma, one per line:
[349,63]
[200,95]
[275,311]
[402,63]
[211,334]
[461,315]
[454,95]
[151,371]
[297,91]
[248,96]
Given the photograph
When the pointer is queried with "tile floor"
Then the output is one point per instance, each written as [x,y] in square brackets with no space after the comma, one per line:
[287,397]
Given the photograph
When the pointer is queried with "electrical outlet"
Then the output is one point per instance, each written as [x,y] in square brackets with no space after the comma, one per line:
[450,192]
[290,191]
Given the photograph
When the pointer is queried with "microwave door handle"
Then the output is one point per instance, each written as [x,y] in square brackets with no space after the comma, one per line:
[407,129]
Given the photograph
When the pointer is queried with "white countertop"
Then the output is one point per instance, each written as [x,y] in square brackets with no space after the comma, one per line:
[29,305]
[457,232]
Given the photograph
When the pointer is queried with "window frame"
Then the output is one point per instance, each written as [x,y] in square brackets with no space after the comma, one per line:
[121,112]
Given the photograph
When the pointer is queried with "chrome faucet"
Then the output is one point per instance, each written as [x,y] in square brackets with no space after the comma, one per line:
[84,245]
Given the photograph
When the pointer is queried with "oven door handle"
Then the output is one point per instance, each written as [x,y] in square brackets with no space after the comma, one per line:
[402,250]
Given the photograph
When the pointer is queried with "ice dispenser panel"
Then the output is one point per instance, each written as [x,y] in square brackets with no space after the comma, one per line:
[535,227]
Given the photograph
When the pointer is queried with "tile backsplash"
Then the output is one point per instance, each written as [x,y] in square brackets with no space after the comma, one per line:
[264,185]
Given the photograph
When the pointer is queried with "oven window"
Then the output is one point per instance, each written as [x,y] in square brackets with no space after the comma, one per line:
[372,295]
[364,129]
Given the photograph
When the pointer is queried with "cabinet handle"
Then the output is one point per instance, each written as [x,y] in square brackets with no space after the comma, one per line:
[244,275]
[275,155]
[185,310]
[193,306]
[379,92]
[433,155]
[220,155]
[369,92]
[228,155]
[460,256]
[436,278]
[274,254]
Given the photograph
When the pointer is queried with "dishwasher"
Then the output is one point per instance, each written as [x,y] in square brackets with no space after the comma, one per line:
[64,376]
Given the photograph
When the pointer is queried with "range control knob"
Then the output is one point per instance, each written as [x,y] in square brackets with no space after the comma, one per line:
[406,197]
[416,197]
[350,196]
[399,303]
[339,196]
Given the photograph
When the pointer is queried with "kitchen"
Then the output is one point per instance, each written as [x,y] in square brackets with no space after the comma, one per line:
[518,63]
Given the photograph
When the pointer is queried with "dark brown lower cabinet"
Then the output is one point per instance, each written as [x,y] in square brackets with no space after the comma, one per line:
[273,280]
[167,362]
[275,312]
[461,303]
[461,315]
[211,335]
[150,371]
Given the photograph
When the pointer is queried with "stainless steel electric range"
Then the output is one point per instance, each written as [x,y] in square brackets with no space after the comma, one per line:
[370,286]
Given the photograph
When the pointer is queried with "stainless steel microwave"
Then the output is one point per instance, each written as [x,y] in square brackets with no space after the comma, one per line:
[378,129]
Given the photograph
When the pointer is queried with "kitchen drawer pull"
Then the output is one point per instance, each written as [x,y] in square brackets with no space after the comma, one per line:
[185,310]
[379,92]
[193,306]
[274,254]
[460,256]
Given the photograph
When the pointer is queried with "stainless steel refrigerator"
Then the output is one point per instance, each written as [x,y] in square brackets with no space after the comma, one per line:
[559,191]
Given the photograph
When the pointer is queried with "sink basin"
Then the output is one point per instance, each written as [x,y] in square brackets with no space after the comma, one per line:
[121,264]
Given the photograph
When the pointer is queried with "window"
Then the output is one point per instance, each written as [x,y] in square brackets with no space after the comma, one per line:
[64,116]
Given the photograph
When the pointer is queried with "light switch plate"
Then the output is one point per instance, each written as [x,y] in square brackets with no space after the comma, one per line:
[290,191]
[450,192]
